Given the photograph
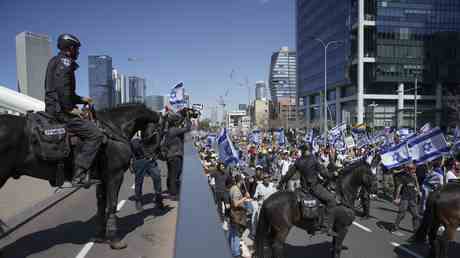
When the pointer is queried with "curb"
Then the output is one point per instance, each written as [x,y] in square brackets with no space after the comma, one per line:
[17,221]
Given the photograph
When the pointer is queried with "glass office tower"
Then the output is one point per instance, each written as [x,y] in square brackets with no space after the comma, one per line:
[100,81]
[389,48]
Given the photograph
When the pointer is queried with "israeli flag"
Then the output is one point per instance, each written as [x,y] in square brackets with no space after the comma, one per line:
[428,146]
[177,94]
[405,133]
[425,128]
[361,138]
[210,140]
[280,137]
[309,137]
[396,156]
[227,152]
[254,137]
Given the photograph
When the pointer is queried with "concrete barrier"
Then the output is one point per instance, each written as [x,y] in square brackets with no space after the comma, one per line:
[199,232]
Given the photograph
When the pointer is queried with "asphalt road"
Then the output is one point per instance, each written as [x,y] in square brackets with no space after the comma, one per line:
[66,229]
[366,238]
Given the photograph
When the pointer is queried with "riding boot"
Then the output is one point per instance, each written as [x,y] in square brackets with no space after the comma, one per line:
[328,224]
[159,201]
[82,178]
[139,205]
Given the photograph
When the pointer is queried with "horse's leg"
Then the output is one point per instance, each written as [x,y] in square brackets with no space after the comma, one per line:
[101,215]
[432,238]
[113,188]
[278,242]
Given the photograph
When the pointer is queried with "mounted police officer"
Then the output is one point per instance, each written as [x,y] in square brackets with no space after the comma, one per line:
[61,102]
[310,172]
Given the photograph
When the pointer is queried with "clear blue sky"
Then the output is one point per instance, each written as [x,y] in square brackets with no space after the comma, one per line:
[195,41]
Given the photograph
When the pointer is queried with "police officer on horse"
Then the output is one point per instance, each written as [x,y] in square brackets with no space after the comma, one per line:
[311,171]
[61,102]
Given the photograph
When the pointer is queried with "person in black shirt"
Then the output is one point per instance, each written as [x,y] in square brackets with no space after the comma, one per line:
[144,164]
[221,179]
[406,197]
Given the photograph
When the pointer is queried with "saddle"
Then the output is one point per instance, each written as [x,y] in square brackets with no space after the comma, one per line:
[311,208]
[48,137]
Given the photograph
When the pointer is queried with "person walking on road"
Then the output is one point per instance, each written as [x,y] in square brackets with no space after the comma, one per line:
[406,197]
[143,166]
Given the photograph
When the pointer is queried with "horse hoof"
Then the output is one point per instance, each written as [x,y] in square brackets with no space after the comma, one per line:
[100,240]
[117,245]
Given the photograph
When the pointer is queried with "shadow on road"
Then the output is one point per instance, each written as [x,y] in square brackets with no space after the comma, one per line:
[314,250]
[76,232]
[387,209]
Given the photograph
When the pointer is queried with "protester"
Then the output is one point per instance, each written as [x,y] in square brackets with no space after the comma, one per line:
[406,197]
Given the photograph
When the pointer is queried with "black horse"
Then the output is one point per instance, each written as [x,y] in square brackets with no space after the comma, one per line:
[281,211]
[120,124]
[442,208]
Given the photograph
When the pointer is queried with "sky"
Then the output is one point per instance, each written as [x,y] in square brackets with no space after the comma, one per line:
[198,42]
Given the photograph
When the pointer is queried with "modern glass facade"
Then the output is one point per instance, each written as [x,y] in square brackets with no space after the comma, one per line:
[100,81]
[137,88]
[282,81]
[403,42]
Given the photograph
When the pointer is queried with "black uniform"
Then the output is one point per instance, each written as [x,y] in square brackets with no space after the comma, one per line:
[174,140]
[309,169]
[60,99]
[408,194]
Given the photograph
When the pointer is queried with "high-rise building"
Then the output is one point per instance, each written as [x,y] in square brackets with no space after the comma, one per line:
[282,81]
[155,102]
[260,114]
[242,107]
[33,52]
[260,90]
[136,88]
[100,81]
[387,48]
[117,79]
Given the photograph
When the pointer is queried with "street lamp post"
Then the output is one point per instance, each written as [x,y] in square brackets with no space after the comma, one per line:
[326,46]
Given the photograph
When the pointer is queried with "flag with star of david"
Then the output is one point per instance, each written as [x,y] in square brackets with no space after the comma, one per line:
[396,156]
[428,146]
[227,152]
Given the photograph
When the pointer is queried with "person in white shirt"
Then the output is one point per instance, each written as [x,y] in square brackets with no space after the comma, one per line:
[284,163]
[453,169]
[263,191]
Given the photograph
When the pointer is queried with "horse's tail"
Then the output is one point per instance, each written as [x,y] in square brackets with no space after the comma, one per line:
[263,229]
[428,218]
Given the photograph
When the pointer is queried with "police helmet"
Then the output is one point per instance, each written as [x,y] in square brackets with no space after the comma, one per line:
[67,40]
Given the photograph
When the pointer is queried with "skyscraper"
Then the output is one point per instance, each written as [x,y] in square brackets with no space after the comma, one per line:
[155,102]
[100,81]
[136,89]
[117,79]
[388,48]
[283,87]
[260,90]
[282,81]
[33,52]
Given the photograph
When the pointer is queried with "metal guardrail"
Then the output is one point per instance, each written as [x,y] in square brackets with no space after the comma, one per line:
[199,232]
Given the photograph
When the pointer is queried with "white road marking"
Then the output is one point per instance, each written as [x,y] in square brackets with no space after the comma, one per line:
[416,255]
[362,227]
[120,205]
[85,250]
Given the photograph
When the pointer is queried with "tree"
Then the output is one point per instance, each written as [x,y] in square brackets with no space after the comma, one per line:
[205,124]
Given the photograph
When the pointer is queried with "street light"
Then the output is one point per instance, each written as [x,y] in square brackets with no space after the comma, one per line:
[326,46]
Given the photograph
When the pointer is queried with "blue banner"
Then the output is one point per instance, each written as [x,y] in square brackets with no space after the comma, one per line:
[227,152]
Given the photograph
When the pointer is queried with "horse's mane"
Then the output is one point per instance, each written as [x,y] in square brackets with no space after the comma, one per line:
[123,107]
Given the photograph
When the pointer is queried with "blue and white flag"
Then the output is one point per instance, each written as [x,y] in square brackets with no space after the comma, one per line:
[177,94]
[425,128]
[405,133]
[428,146]
[396,156]
[361,138]
[309,137]
[227,152]
[280,137]
[210,140]
[254,137]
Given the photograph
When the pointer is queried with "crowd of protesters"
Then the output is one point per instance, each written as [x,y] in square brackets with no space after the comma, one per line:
[240,189]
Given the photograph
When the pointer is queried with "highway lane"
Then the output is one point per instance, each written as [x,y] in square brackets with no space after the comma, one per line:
[66,229]
[366,238]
